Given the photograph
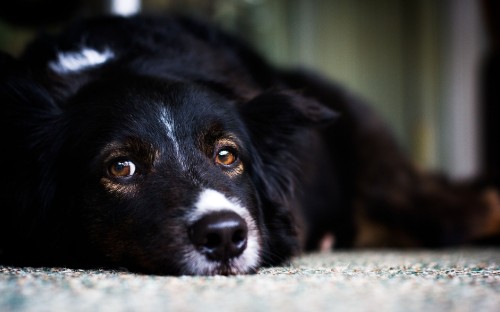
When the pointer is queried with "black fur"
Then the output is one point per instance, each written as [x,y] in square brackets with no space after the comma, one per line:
[316,161]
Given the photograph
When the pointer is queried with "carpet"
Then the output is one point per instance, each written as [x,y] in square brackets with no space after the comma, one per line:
[370,280]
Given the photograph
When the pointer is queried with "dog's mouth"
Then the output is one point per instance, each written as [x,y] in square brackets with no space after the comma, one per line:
[197,265]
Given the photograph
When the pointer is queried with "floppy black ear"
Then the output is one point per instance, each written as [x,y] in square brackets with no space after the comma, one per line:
[21,95]
[29,118]
[278,122]
[285,111]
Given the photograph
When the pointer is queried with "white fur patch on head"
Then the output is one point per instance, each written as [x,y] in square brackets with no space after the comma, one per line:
[74,61]
[196,263]
[125,7]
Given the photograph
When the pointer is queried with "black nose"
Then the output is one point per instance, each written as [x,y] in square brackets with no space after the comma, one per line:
[220,235]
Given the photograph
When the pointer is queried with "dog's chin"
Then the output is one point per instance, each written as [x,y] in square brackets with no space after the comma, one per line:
[199,265]
[211,268]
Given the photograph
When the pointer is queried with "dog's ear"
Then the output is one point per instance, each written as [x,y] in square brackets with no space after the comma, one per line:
[28,109]
[278,122]
[21,95]
[30,117]
[285,112]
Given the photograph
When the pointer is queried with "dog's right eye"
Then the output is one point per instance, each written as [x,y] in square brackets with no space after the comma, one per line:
[122,169]
[225,157]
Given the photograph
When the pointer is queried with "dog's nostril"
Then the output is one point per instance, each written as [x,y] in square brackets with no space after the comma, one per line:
[239,237]
[220,235]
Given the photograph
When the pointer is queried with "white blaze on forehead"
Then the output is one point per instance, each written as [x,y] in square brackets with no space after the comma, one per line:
[68,62]
[169,123]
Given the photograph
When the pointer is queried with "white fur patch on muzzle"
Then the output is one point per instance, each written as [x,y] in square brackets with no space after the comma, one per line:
[194,262]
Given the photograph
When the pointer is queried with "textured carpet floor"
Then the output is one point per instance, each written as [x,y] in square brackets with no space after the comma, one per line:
[446,280]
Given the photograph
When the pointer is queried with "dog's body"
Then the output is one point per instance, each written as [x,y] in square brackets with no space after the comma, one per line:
[166,146]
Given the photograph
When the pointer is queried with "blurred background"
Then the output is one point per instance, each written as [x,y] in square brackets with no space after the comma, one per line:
[429,67]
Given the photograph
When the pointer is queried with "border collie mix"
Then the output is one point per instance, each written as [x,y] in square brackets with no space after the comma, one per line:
[165,146]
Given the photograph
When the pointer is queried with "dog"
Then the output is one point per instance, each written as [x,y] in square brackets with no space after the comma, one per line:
[163,145]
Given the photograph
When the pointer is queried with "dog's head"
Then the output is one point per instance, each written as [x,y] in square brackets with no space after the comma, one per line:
[119,164]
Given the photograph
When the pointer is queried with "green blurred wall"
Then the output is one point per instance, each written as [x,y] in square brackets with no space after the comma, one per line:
[387,51]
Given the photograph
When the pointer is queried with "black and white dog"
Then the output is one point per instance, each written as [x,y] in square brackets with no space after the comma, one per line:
[166,146]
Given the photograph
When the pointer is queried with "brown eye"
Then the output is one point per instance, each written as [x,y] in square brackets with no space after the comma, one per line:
[225,157]
[122,169]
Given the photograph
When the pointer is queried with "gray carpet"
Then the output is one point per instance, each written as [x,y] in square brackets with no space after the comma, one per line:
[445,280]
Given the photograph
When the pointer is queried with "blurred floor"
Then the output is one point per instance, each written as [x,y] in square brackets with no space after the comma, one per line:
[444,280]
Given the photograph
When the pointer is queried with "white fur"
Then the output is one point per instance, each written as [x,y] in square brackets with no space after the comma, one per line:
[125,7]
[68,62]
[169,123]
[212,201]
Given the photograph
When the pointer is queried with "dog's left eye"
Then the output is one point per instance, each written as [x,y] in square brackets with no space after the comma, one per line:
[225,157]
[122,169]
